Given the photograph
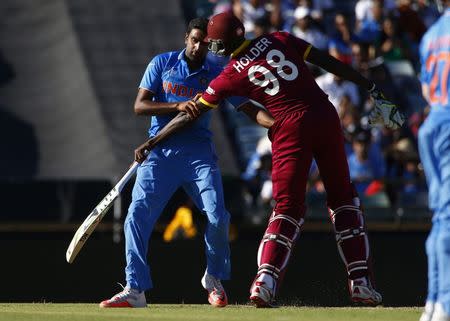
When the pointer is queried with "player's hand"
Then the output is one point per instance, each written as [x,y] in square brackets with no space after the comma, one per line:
[385,112]
[140,153]
[190,107]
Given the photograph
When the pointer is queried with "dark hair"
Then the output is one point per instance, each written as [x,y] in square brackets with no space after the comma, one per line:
[197,23]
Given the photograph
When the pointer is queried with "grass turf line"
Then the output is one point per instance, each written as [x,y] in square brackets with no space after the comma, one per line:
[188,312]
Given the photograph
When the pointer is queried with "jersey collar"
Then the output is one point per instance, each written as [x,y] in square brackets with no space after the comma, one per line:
[181,57]
[240,48]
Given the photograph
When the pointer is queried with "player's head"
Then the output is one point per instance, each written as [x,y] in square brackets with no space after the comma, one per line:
[225,34]
[196,48]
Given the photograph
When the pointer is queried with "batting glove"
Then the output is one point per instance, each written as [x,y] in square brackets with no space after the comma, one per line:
[384,111]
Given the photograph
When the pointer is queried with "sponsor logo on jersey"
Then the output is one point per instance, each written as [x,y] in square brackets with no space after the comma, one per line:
[179,89]
[253,53]
[210,91]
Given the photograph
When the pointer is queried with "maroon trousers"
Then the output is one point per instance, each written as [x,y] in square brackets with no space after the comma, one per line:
[297,138]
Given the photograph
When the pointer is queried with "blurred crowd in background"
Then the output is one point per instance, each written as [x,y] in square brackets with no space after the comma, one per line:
[378,38]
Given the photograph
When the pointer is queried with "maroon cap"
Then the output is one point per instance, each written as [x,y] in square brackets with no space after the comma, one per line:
[225,26]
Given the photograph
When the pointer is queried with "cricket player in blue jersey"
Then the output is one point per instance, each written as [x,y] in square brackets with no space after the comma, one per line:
[169,85]
[434,148]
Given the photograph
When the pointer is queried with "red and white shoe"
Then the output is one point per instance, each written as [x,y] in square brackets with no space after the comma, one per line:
[216,293]
[262,292]
[128,298]
[361,291]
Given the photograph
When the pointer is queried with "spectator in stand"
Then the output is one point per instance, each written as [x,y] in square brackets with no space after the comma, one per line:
[223,6]
[262,26]
[336,88]
[366,162]
[393,46]
[369,30]
[363,9]
[304,29]
[410,21]
[428,13]
[340,45]
[317,7]
[248,11]
[350,121]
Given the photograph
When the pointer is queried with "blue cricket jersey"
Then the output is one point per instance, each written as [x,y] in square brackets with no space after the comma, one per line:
[169,78]
[435,60]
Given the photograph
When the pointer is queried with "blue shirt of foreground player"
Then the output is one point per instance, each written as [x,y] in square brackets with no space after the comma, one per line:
[435,60]
[169,78]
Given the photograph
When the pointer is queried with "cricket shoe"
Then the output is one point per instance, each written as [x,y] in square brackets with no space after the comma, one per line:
[216,293]
[439,313]
[262,291]
[427,313]
[362,292]
[128,298]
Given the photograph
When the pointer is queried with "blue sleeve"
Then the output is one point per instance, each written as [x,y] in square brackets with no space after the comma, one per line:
[152,76]
[424,75]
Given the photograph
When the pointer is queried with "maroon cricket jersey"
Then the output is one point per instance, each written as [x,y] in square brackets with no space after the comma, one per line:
[270,70]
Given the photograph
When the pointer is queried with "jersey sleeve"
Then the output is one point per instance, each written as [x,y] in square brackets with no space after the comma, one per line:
[151,80]
[218,89]
[301,46]
[424,74]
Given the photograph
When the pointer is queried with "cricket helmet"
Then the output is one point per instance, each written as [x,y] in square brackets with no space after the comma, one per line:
[225,31]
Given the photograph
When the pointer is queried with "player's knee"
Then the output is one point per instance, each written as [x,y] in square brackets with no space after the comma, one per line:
[430,244]
[138,211]
[442,245]
[291,207]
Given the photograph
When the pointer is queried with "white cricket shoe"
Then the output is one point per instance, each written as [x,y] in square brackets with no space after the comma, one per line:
[262,291]
[427,311]
[439,313]
[127,298]
[216,293]
[362,292]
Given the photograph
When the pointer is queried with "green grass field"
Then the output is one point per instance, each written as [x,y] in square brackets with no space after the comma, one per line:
[165,312]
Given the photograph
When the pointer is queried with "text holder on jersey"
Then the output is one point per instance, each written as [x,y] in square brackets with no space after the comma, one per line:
[91,222]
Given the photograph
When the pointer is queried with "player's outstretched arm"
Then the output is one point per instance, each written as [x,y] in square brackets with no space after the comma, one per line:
[260,116]
[146,106]
[331,64]
[385,112]
[181,120]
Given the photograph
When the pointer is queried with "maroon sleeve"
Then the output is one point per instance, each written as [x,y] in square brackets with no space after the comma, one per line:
[301,46]
[218,89]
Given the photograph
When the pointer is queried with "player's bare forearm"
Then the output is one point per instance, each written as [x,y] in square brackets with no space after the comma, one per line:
[180,121]
[331,64]
[258,115]
[151,108]
[144,104]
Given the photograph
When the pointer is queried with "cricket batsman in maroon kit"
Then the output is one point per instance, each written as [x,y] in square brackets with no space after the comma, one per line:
[271,70]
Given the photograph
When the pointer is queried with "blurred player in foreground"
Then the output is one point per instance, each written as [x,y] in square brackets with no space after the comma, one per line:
[271,70]
[434,148]
[169,83]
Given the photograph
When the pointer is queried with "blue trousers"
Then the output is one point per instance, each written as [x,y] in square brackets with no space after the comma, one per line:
[434,148]
[157,179]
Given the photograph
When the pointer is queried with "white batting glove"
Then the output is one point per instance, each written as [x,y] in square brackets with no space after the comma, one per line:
[385,112]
